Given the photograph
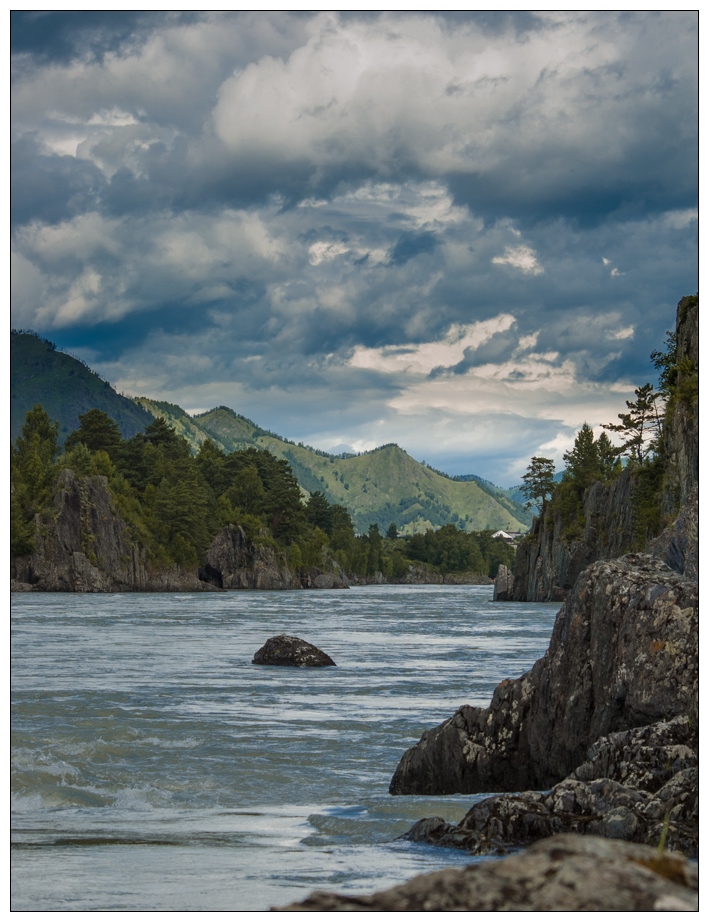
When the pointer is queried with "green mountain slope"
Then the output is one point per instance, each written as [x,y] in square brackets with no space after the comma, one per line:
[383,486]
[65,387]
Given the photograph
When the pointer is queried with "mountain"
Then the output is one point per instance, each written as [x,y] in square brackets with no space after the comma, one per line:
[383,486]
[65,387]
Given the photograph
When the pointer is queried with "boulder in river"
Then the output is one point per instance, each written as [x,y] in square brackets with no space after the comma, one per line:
[290,651]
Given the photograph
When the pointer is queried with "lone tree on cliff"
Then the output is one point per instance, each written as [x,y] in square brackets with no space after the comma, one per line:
[641,427]
[538,482]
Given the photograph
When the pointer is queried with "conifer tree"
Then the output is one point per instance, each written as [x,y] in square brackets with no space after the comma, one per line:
[538,482]
[641,426]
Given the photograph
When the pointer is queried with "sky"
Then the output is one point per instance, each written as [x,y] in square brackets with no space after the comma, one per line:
[461,232]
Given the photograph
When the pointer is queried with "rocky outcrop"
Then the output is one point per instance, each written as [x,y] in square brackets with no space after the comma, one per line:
[565,873]
[549,559]
[290,651]
[549,562]
[85,546]
[640,785]
[503,588]
[235,562]
[678,545]
[623,654]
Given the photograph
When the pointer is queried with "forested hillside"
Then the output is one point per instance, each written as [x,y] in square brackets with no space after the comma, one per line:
[615,496]
[176,502]
[65,387]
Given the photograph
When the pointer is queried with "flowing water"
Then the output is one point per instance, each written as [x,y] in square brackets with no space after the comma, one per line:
[155,768]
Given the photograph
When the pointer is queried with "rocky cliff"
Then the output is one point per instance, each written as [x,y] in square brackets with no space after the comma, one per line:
[84,545]
[549,560]
[623,653]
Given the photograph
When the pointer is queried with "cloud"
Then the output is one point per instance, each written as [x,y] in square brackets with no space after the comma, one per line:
[422,358]
[365,226]
[519,257]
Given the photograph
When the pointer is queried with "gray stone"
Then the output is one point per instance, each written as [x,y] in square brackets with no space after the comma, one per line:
[503,589]
[235,562]
[639,785]
[563,873]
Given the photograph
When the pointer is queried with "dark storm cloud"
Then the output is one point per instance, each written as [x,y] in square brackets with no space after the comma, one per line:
[50,188]
[400,218]
[410,245]
[62,35]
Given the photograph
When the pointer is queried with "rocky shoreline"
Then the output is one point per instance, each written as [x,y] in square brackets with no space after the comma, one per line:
[639,785]
[597,746]
[565,873]
[623,653]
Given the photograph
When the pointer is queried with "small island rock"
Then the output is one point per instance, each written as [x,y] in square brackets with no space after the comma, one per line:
[290,651]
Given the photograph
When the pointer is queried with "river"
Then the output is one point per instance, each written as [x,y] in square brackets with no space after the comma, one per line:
[155,768]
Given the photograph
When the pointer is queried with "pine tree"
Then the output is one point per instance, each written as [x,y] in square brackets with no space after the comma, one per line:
[97,431]
[582,462]
[538,482]
[641,426]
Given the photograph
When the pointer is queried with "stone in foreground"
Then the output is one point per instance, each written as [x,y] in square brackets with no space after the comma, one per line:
[290,651]
[563,873]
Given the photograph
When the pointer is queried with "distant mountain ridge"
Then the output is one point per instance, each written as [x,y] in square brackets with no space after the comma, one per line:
[384,485]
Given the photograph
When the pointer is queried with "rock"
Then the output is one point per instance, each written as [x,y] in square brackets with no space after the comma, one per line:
[564,873]
[290,651]
[681,434]
[548,563]
[504,585]
[235,562]
[85,546]
[678,545]
[623,654]
[631,782]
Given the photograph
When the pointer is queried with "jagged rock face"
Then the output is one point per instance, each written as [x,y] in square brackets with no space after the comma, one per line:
[548,563]
[290,651]
[678,545]
[86,547]
[565,873]
[682,429]
[623,653]
[503,588]
[630,783]
[234,562]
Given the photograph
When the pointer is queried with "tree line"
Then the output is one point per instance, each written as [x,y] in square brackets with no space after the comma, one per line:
[175,502]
